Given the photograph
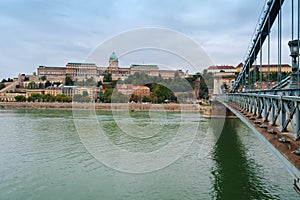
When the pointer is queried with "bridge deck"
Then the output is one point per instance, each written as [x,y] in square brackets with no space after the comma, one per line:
[283,151]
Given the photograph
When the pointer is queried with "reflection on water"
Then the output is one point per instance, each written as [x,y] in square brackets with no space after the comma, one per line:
[140,137]
[235,177]
[42,157]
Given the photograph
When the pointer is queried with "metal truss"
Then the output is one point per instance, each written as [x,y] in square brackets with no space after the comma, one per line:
[263,31]
[280,109]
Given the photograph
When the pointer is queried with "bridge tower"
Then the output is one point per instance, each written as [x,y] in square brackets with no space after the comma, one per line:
[223,82]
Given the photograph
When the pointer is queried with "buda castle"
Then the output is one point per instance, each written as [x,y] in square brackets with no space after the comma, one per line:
[81,71]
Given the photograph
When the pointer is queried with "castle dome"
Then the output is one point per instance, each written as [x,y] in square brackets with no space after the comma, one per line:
[113,56]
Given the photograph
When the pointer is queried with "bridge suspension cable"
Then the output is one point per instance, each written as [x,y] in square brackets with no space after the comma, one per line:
[279,75]
[270,14]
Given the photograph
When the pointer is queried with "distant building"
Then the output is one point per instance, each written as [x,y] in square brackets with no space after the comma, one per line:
[171,73]
[239,67]
[141,91]
[124,72]
[53,90]
[223,82]
[265,68]
[224,78]
[113,65]
[221,68]
[9,97]
[51,71]
[81,69]
[29,92]
[68,90]
[84,70]
[91,91]
[126,89]
[150,70]
[129,89]
[72,69]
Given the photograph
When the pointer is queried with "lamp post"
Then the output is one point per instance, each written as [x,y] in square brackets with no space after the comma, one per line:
[294,48]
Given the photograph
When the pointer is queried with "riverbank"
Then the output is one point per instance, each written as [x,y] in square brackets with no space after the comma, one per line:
[172,107]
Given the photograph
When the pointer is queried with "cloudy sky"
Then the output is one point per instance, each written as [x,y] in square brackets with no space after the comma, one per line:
[52,33]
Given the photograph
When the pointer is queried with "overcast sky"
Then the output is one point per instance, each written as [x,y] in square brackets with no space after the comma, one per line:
[52,33]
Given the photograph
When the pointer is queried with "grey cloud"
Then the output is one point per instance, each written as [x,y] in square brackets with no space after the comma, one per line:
[63,31]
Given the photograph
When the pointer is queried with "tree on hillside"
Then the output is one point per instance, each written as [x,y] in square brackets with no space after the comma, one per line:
[35,97]
[118,97]
[57,83]
[99,83]
[144,99]
[31,85]
[48,98]
[107,77]
[62,98]
[20,98]
[107,95]
[8,80]
[2,85]
[47,84]
[43,78]
[163,93]
[69,81]
[134,98]
[208,79]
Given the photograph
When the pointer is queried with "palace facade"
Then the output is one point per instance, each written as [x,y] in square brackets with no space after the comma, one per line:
[84,70]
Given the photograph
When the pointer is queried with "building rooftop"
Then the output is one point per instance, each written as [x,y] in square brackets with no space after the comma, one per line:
[113,56]
[142,87]
[273,65]
[51,67]
[221,67]
[81,64]
[168,70]
[265,65]
[143,65]
[124,86]
[239,65]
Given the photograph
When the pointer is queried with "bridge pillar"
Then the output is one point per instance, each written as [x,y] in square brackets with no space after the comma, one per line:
[272,112]
[218,110]
[259,108]
[265,116]
[282,117]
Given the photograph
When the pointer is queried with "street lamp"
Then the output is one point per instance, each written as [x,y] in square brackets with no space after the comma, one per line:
[294,48]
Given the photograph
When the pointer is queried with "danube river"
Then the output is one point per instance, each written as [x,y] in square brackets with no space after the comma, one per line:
[43,157]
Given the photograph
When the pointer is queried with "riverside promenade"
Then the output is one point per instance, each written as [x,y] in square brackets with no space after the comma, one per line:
[172,107]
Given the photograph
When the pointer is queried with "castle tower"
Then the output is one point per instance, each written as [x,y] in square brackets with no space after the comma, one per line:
[113,61]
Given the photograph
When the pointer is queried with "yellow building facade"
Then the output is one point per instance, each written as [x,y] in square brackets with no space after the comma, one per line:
[265,68]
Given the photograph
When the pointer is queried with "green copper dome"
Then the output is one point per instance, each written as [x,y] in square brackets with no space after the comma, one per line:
[113,56]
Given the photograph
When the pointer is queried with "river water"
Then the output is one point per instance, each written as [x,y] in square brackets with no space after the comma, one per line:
[43,157]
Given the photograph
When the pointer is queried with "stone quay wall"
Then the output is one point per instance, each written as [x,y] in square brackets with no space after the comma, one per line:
[172,107]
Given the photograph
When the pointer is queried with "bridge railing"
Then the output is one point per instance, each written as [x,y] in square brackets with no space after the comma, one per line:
[281,110]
